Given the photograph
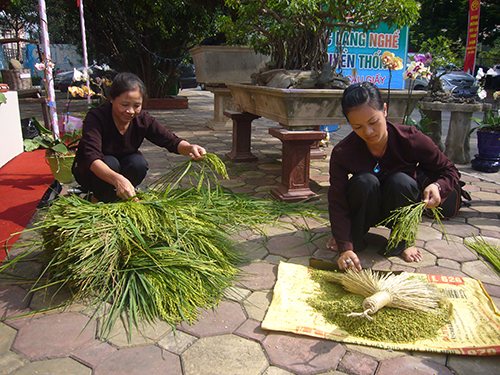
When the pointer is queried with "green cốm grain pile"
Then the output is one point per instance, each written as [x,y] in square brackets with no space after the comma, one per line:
[388,325]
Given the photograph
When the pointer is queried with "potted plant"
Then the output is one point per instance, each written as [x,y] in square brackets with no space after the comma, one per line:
[60,152]
[488,142]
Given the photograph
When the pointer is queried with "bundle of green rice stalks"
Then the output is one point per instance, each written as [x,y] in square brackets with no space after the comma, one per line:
[405,220]
[389,324]
[165,256]
[487,250]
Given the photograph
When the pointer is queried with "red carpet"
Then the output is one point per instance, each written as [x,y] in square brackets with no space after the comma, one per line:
[23,180]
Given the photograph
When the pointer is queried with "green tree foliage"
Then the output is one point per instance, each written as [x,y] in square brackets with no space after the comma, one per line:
[147,37]
[449,18]
[295,32]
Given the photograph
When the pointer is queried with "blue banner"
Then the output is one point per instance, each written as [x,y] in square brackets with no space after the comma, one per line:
[361,57]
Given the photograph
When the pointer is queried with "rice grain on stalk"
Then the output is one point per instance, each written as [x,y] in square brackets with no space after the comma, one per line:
[403,291]
[487,250]
[165,256]
[405,221]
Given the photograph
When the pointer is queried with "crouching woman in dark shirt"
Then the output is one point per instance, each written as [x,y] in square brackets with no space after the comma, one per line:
[108,161]
[379,167]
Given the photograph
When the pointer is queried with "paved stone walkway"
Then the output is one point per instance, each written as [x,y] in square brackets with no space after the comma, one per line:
[229,340]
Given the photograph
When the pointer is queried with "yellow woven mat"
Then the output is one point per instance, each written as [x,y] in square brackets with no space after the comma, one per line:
[474,330]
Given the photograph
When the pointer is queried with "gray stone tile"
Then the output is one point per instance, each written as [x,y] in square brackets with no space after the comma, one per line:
[301,354]
[228,354]
[55,335]
[10,361]
[142,360]
[145,334]
[13,301]
[250,329]
[448,263]
[7,335]
[257,303]
[411,365]
[176,342]
[450,250]
[492,289]
[478,269]
[258,276]
[224,319]
[465,365]
[252,250]
[60,366]
[273,370]
[453,228]
[93,353]
[236,294]
[376,353]
[433,357]
[426,233]
[289,246]
[358,363]
[484,223]
[274,259]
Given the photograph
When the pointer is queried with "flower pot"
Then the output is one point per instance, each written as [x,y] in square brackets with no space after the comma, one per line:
[215,65]
[60,166]
[488,159]
[488,144]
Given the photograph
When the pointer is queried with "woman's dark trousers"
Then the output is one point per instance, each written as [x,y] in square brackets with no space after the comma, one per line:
[134,167]
[371,201]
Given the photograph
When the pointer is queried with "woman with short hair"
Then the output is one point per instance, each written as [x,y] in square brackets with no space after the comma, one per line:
[108,161]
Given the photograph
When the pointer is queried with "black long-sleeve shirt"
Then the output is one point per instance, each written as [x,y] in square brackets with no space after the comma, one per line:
[101,137]
[407,148]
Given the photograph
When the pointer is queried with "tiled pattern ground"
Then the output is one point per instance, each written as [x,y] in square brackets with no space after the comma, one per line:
[229,340]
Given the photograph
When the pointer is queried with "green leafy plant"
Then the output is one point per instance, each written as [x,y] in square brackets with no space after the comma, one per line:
[3,98]
[64,145]
[490,122]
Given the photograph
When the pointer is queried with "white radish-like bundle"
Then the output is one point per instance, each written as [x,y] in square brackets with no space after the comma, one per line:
[403,291]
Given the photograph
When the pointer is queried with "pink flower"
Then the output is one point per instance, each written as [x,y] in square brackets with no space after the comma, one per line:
[40,66]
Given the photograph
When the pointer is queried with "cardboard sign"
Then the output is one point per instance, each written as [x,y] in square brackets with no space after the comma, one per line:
[361,58]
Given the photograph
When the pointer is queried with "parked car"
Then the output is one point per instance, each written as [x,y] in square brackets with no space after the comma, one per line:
[65,79]
[456,82]
[187,76]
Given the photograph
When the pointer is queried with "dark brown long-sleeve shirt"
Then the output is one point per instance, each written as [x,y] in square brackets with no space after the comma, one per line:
[407,148]
[101,137]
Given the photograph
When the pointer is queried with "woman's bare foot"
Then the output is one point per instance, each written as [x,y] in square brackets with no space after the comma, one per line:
[332,245]
[412,254]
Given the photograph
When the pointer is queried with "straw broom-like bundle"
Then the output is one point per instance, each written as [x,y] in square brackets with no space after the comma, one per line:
[400,291]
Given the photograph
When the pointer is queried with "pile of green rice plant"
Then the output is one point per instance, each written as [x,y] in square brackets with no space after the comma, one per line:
[405,221]
[488,251]
[164,256]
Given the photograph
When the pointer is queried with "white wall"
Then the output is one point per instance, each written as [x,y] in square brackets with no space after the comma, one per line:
[11,137]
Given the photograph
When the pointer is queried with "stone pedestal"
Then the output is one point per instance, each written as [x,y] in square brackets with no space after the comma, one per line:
[435,127]
[457,140]
[242,135]
[296,159]
[222,102]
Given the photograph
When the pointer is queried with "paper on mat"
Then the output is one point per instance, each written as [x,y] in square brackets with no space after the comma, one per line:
[474,330]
